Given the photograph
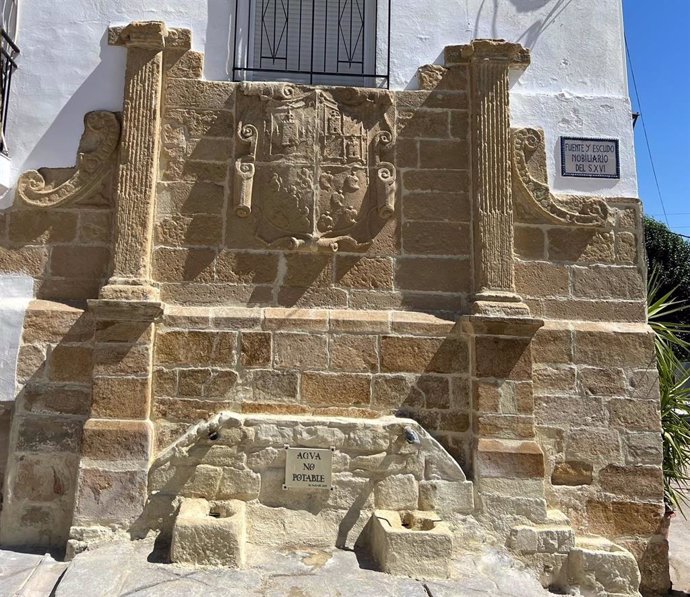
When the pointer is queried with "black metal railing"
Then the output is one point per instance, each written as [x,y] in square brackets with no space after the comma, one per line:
[342,42]
[8,53]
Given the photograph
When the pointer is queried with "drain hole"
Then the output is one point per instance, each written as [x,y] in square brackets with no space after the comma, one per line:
[214,514]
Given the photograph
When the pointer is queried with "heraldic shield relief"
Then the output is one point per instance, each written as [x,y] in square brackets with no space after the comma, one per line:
[314,173]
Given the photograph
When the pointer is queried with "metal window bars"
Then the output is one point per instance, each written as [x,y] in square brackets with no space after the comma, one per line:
[342,42]
[8,53]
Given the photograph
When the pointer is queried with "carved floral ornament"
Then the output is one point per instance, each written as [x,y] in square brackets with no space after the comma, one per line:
[309,163]
[529,159]
[95,161]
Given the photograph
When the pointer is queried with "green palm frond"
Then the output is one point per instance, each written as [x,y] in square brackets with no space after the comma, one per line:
[674,385]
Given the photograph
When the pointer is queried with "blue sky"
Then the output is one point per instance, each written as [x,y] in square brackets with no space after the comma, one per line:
[657,34]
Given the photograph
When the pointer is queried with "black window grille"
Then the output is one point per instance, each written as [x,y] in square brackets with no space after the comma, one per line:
[340,42]
[8,53]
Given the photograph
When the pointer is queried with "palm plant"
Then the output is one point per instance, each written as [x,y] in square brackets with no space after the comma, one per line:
[674,384]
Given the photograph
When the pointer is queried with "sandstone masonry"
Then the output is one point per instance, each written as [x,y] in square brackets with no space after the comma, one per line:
[232,267]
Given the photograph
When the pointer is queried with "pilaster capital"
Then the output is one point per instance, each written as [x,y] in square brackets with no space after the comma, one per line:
[149,35]
[488,50]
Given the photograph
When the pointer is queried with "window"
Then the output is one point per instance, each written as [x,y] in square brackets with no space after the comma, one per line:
[330,42]
[8,52]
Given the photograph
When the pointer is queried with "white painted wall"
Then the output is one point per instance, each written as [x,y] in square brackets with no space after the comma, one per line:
[15,294]
[575,86]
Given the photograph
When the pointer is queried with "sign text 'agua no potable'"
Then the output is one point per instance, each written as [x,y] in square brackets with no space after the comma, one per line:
[308,468]
[590,158]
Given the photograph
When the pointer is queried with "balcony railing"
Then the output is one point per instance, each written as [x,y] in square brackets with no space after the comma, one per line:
[338,42]
[8,53]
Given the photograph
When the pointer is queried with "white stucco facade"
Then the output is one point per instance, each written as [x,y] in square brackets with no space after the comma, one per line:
[576,84]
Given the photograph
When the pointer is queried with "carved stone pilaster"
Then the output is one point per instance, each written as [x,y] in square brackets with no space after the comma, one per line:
[490,62]
[138,161]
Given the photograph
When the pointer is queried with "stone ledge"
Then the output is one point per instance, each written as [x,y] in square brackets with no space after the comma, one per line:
[365,321]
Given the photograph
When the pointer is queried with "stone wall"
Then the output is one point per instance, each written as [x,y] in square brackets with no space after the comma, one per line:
[417,259]
[243,457]
[338,363]
[311,253]
[54,372]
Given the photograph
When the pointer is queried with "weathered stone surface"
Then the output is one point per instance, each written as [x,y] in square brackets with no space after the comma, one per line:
[641,482]
[121,397]
[446,496]
[256,349]
[635,415]
[238,484]
[44,478]
[71,363]
[397,492]
[508,458]
[411,544]
[353,353]
[322,389]
[417,355]
[191,348]
[212,534]
[597,446]
[433,274]
[300,351]
[364,272]
[541,279]
[572,473]
[274,386]
[117,440]
[109,496]
[624,518]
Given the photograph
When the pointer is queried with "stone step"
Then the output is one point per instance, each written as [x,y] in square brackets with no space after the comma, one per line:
[43,579]
[598,565]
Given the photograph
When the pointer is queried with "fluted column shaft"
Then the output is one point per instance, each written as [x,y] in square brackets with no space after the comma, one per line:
[494,281]
[138,162]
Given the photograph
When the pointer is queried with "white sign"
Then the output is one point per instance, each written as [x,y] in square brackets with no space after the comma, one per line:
[590,158]
[308,468]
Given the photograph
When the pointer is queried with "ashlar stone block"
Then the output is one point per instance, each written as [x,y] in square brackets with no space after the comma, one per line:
[210,533]
[415,544]
[397,492]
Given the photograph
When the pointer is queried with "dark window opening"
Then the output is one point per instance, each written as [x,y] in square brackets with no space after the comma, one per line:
[327,42]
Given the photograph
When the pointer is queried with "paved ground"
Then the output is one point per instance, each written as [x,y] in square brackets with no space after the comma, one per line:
[123,570]
[129,569]
[679,539]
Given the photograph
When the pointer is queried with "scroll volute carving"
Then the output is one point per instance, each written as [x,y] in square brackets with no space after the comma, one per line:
[531,185]
[95,161]
[312,166]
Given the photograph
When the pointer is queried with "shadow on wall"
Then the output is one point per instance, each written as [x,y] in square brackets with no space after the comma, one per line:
[219,50]
[46,431]
[532,34]
[107,80]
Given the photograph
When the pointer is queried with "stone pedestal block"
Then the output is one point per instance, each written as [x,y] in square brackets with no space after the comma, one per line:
[413,543]
[210,533]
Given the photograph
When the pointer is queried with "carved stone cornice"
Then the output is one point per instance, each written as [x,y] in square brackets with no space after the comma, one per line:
[152,35]
[496,50]
[139,34]
[531,185]
[95,161]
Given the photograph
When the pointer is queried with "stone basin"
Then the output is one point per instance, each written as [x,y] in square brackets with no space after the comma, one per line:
[411,543]
[210,533]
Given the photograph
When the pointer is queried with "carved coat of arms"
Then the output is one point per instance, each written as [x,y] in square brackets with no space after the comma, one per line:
[311,168]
